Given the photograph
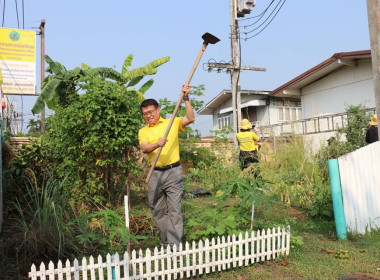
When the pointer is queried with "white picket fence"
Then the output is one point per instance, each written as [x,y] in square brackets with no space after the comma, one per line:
[220,254]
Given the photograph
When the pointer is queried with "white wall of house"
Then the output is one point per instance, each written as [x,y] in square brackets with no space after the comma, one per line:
[263,114]
[346,86]
[272,113]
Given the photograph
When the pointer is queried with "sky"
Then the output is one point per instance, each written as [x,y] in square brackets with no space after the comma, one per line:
[103,33]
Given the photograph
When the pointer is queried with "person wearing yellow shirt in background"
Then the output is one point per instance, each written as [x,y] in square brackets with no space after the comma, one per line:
[372,134]
[165,187]
[248,144]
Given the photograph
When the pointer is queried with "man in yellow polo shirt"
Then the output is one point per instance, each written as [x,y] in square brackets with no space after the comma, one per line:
[165,186]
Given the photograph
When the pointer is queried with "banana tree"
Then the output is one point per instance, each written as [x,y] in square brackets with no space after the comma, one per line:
[62,85]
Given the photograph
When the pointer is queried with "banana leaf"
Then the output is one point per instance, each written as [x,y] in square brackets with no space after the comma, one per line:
[106,73]
[146,86]
[54,67]
[140,96]
[135,81]
[85,66]
[53,102]
[127,63]
[38,106]
[50,90]
[149,69]
[158,62]
[139,72]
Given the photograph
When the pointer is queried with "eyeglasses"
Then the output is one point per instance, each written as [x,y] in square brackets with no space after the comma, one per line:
[145,114]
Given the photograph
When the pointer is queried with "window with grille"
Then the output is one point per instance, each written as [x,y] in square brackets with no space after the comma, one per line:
[224,121]
[289,110]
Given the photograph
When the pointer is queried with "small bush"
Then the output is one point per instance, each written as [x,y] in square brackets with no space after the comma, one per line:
[197,157]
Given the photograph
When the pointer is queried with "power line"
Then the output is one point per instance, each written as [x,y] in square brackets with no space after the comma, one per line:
[247,32]
[260,15]
[18,22]
[23,15]
[3,13]
[247,38]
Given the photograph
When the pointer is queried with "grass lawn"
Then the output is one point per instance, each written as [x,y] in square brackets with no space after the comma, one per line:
[315,252]
[321,256]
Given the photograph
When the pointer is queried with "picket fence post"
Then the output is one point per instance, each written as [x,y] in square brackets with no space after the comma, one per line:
[76,270]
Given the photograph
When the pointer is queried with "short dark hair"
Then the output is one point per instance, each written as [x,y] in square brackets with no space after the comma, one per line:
[149,102]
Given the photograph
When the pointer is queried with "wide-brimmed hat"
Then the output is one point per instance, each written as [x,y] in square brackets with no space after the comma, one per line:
[245,124]
[373,120]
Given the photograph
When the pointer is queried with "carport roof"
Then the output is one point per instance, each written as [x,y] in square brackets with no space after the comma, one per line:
[292,88]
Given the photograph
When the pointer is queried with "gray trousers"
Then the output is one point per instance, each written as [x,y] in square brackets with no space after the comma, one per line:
[165,194]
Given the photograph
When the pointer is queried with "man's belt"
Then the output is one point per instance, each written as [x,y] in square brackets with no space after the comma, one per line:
[166,167]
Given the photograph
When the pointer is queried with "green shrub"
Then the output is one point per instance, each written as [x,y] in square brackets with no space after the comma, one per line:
[195,156]
[357,121]
[232,209]
[209,174]
[95,138]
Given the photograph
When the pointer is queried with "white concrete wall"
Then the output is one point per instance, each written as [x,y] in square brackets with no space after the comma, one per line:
[313,142]
[359,178]
[346,86]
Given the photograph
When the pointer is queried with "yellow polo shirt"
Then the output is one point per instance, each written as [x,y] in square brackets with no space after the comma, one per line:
[151,134]
[247,140]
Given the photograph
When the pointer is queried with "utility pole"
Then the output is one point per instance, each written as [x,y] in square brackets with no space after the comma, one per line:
[235,67]
[235,55]
[374,34]
[42,33]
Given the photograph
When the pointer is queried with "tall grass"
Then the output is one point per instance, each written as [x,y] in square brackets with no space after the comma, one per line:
[298,177]
[43,218]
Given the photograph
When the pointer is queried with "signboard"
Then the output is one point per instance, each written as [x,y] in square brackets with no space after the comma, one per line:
[18,61]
